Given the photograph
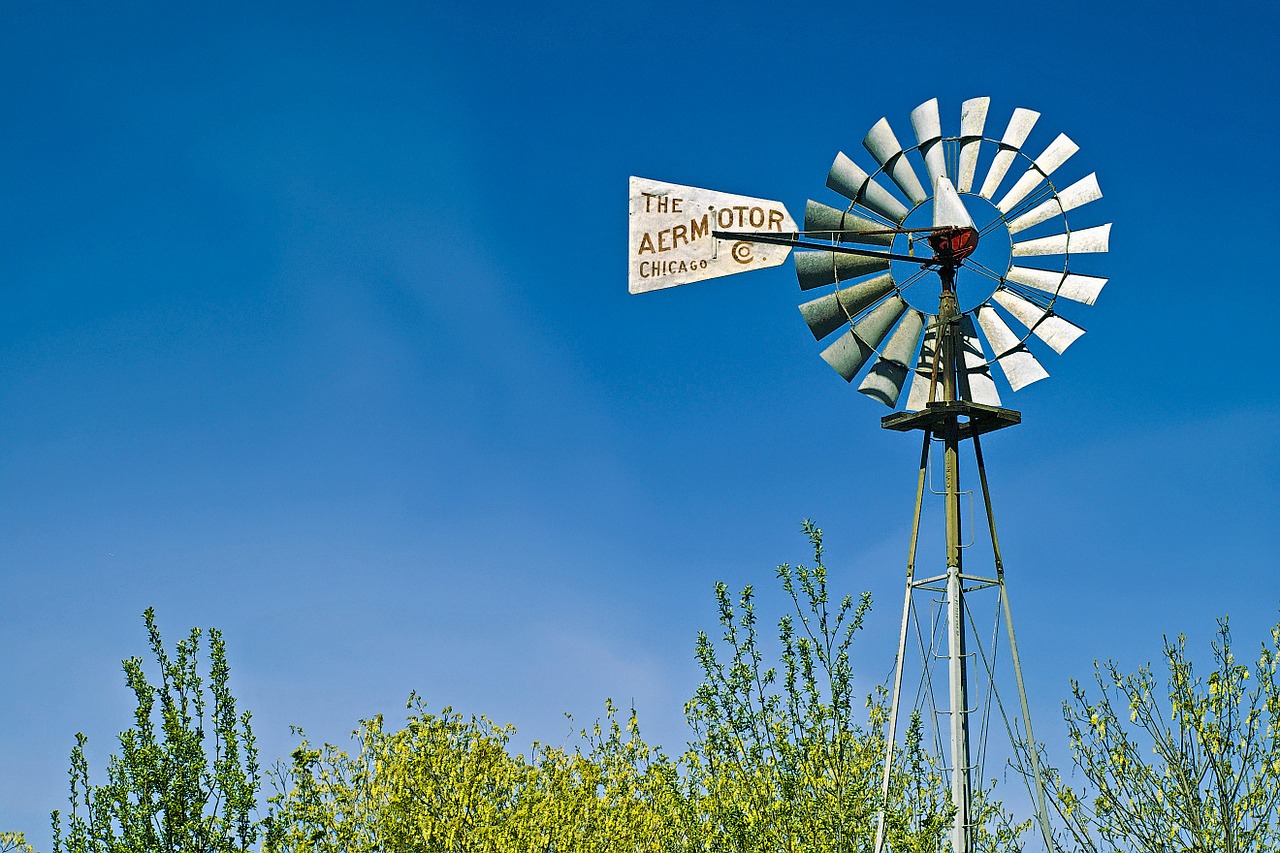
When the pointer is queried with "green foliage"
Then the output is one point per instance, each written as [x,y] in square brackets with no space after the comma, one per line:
[186,776]
[14,842]
[781,758]
[778,758]
[448,783]
[1213,782]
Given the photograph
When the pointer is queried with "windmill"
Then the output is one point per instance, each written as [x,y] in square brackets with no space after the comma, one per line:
[932,283]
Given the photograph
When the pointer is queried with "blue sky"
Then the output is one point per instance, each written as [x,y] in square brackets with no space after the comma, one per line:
[315,328]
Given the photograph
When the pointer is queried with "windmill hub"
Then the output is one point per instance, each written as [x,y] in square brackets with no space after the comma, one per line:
[990,252]
[952,245]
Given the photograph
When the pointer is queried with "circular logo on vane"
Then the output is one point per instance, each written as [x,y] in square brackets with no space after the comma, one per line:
[741,252]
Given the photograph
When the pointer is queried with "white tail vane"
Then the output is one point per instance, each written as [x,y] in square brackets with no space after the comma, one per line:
[1047,326]
[847,178]
[884,146]
[885,379]
[670,234]
[1075,243]
[1058,152]
[973,118]
[1015,134]
[1078,288]
[1078,194]
[1019,365]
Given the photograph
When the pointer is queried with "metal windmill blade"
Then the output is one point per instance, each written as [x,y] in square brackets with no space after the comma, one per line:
[884,146]
[842,226]
[1083,242]
[927,124]
[1020,367]
[817,269]
[1077,288]
[885,379]
[852,349]
[1058,152]
[827,313]
[973,118]
[1015,135]
[847,178]
[975,380]
[1047,326]
[924,378]
[1077,195]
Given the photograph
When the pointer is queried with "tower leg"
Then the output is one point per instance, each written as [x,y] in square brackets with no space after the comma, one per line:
[891,729]
[1042,813]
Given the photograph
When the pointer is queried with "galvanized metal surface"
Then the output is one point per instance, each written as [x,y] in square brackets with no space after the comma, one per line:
[1080,193]
[816,269]
[922,378]
[844,226]
[961,782]
[1076,243]
[1058,152]
[957,656]
[852,349]
[889,373]
[948,210]
[1078,288]
[1020,367]
[977,384]
[847,178]
[927,125]
[884,146]
[1015,135]
[669,234]
[1043,323]
[973,118]
[827,313]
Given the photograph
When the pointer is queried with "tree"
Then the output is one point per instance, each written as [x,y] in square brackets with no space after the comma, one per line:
[788,766]
[446,783]
[780,759]
[1213,780]
[14,842]
[186,777]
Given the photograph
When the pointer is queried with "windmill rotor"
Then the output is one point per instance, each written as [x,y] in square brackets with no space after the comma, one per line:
[1019,294]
